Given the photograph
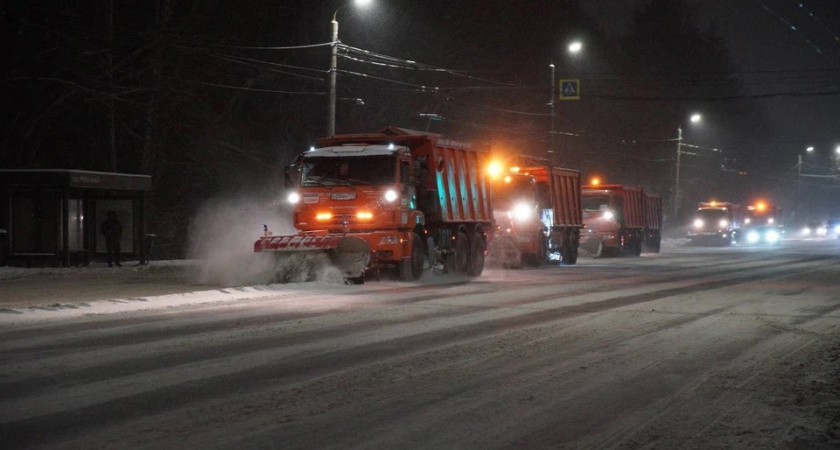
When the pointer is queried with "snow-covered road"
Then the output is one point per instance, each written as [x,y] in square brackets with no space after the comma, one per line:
[691,348]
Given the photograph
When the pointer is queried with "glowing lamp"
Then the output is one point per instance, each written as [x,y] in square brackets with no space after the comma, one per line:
[494,169]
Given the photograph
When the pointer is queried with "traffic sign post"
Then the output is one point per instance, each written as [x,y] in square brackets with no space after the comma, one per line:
[570,89]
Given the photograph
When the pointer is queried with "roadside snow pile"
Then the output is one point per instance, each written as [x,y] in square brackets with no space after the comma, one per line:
[285,292]
[675,242]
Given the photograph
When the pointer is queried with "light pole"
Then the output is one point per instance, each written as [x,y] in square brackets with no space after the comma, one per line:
[334,69]
[810,149]
[695,118]
[574,48]
[552,102]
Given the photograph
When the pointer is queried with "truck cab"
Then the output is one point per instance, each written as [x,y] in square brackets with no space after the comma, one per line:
[354,188]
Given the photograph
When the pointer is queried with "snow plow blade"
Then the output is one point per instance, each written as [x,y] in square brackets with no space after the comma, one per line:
[349,254]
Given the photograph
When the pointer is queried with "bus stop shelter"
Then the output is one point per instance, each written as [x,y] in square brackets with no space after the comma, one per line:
[53,215]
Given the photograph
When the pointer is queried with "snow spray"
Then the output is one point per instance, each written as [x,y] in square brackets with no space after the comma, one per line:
[222,237]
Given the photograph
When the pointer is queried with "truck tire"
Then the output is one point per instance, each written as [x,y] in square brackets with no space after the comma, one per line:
[411,268]
[570,250]
[637,244]
[477,247]
[458,260]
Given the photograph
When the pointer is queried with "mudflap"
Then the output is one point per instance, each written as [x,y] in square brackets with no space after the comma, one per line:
[351,256]
[502,252]
[593,247]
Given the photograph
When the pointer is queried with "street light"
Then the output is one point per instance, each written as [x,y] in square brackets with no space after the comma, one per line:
[809,149]
[334,68]
[574,48]
[695,119]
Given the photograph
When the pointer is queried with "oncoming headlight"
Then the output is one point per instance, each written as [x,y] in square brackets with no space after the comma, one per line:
[522,212]
[293,198]
[772,236]
[806,231]
[698,223]
[608,215]
[723,223]
[391,196]
[753,237]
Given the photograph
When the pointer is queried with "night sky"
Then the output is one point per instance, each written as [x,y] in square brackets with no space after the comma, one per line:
[205,101]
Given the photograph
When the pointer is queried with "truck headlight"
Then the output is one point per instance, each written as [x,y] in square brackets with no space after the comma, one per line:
[772,236]
[806,231]
[608,215]
[522,212]
[391,196]
[293,198]
[698,223]
[753,237]
[723,223]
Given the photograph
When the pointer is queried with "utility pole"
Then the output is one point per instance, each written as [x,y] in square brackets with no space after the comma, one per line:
[552,103]
[677,177]
[333,71]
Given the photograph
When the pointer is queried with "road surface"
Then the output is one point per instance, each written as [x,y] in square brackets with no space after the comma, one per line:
[693,348]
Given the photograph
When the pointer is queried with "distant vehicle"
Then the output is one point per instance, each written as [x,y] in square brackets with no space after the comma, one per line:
[832,228]
[762,224]
[620,220]
[763,235]
[813,230]
[715,223]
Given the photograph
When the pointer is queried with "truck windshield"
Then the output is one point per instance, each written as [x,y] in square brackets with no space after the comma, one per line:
[596,203]
[517,189]
[374,170]
[712,214]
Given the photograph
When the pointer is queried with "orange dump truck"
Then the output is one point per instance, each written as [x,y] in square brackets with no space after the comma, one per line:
[715,223]
[762,224]
[538,212]
[614,216]
[398,199]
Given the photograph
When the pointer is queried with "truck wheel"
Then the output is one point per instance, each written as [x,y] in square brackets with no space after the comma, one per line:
[458,261]
[411,268]
[570,250]
[574,243]
[477,247]
[637,244]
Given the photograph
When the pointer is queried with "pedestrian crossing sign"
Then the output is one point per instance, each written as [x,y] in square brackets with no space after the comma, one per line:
[570,89]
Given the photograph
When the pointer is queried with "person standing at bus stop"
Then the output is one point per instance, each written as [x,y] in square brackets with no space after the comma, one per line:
[112,229]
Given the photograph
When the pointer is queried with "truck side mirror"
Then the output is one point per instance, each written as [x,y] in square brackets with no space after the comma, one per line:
[291,173]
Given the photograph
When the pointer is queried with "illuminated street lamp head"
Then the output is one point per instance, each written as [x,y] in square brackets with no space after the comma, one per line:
[595,181]
[575,47]
[810,149]
[363,2]
[696,118]
[837,150]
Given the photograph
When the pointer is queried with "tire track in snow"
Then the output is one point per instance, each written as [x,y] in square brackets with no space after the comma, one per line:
[123,408]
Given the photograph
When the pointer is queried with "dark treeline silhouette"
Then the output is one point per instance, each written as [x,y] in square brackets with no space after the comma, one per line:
[175,90]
